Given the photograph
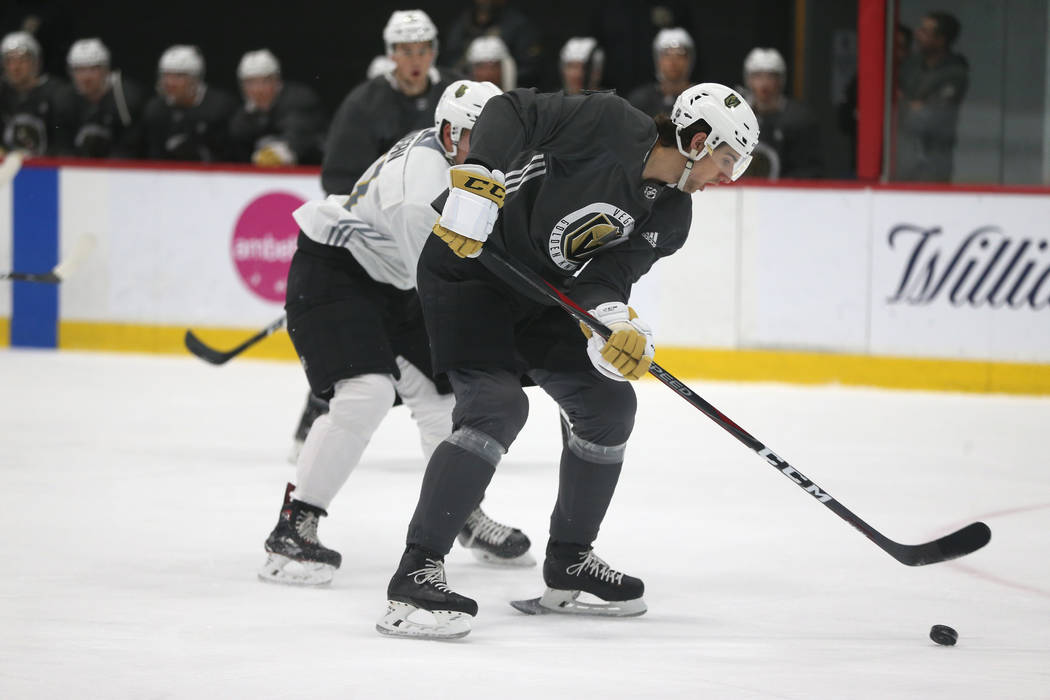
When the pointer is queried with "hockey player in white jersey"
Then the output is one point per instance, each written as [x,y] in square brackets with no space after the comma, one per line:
[356,324]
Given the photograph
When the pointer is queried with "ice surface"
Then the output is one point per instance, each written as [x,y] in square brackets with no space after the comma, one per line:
[137,492]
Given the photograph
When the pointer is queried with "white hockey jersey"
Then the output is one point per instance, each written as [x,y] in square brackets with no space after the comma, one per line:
[385,221]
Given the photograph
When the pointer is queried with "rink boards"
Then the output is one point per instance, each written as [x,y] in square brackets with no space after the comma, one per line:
[885,286]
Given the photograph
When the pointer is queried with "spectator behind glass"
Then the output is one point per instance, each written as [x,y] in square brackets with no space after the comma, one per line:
[931,86]
[494,18]
[279,123]
[846,111]
[789,140]
[36,110]
[381,110]
[581,62]
[489,60]
[188,120]
[108,106]
[673,56]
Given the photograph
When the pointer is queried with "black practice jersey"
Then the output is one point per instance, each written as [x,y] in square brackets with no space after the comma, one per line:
[575,193]
[39,121]
[296,118]
[111,127]
[199,133]
[369,121]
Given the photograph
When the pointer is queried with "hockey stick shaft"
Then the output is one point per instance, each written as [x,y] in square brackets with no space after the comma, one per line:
[219,357]
[956,544]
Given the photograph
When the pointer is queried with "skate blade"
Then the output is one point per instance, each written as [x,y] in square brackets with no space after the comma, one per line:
[522,560]
[289,572]
[568,603]
[447,625]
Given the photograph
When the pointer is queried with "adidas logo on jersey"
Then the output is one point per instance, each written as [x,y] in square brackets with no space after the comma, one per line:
[651,237]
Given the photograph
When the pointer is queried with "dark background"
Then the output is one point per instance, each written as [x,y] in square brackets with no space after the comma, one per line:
[330,44]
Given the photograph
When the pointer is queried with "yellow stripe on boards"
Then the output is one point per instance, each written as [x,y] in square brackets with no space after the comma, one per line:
[120,337]
[5,332]
[684,363]
[856,370]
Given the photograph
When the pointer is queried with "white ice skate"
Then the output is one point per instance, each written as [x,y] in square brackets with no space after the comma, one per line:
[405,620]
[284,570]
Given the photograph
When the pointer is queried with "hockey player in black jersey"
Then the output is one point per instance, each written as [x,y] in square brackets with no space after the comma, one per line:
[36,110]
[108,105]
[188,120]
[380,111]
[588,192]
[280,122]
[673,57]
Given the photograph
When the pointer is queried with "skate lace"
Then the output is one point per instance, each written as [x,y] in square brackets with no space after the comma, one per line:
[306,526]
[487,529]
[594,566]
[434,574]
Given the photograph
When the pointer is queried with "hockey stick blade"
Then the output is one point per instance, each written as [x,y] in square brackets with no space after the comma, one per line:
[219,357]
[957,544]
[63,270]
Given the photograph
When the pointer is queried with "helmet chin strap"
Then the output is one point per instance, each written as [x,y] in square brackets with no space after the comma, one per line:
[690,161]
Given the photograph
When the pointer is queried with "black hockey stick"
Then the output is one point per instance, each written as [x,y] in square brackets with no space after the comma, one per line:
[62,270]
[219,357]
[957,544]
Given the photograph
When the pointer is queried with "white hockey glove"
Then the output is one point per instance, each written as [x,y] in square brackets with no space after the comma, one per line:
[470,212]
[629,351]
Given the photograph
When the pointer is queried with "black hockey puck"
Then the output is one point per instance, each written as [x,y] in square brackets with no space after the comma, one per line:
[944,635]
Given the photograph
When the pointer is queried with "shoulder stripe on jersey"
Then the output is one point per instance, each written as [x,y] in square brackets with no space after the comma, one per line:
[532,175]
[534,162]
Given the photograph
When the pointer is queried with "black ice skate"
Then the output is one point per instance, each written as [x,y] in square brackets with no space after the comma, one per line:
[572,569]
[495,543]
[314,409]
[296,557]
[418,591]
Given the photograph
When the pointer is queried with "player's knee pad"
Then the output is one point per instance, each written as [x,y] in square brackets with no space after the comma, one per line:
[361,402]
[491,403]
[602,420]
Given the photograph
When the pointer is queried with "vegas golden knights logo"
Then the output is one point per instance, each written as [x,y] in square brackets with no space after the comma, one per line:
[581,234]
[732,100]
[461,90]
[590,234]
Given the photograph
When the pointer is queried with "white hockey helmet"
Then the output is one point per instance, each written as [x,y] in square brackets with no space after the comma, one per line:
[582,49]
[460,105]
[258,64]
[761,60]
[487,49]
[673,38]
[408,27]
[181,58]
[86,53]
[20,42]
[727,114]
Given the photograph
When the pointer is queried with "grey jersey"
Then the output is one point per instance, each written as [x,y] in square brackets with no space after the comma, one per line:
[575,193]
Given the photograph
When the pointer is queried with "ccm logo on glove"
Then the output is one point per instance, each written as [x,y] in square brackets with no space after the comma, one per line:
[474,200]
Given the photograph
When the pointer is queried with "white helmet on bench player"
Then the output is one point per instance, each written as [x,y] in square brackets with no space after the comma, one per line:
[460,105]
[409,27]
[730,120]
